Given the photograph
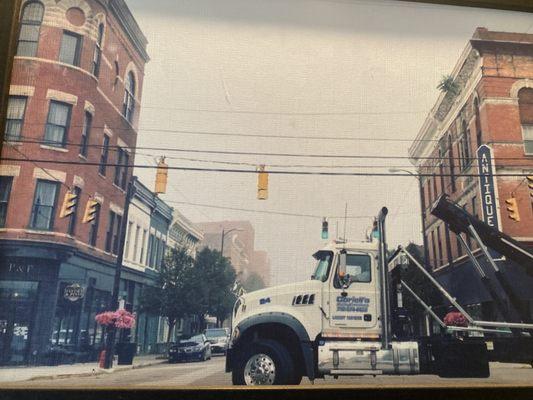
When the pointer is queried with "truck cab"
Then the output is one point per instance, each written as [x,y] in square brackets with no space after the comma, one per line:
[278,333]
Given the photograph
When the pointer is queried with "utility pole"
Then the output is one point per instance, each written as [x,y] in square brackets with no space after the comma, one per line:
[113,304]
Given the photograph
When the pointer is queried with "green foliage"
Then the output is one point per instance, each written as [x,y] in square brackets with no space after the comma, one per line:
[448,85]
[253,282]
[171,296]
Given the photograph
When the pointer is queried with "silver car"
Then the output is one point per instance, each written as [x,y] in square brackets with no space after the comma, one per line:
[219,339]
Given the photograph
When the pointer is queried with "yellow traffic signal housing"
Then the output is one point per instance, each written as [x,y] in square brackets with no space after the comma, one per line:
[90,211]
[262,183]
[530,185]
[161,176]
[69,204]
[512,208]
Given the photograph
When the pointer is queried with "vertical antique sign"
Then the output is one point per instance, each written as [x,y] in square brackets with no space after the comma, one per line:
[487,186]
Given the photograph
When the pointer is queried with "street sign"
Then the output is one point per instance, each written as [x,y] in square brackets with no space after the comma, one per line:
[487,186]
[73,292]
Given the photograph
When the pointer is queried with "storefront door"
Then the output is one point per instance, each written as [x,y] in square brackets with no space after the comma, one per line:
[17,302]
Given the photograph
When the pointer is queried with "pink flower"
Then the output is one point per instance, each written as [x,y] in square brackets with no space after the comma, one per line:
[122,319]
[455,318]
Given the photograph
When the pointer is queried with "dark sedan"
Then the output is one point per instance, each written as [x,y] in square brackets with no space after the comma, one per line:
[195,348]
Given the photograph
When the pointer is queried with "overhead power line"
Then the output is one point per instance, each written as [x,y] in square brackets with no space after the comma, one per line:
[256,153]
[254,171]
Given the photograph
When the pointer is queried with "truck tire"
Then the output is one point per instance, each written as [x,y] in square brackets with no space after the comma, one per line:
[265,362]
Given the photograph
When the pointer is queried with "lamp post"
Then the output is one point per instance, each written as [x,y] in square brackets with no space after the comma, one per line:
[224,233]
[422,209]
[114,303]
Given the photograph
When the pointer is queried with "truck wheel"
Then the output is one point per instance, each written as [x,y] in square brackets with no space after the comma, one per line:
[265,362]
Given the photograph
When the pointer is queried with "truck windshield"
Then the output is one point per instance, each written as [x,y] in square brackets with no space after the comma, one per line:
[323,265]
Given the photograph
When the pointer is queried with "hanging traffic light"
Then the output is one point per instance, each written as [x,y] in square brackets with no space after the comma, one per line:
[69,204]
[530,185]
[325,228]
[262,183]
[90,211]
[161,177]
[512,208]
[375,230]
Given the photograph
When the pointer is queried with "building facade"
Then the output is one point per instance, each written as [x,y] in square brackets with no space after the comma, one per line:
[488,109]
[73,110]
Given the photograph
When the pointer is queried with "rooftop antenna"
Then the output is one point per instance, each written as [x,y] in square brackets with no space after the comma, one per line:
[345,218]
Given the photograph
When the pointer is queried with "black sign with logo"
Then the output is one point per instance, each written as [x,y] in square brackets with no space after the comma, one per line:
[487,186]
[73,292]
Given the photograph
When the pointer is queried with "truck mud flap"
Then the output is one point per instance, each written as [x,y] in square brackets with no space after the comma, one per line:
[454,358]
[511,350]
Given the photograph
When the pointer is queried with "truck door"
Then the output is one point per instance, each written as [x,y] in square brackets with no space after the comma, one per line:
[355,306]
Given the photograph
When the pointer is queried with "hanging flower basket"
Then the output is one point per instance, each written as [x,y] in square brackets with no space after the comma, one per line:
[455,318]
[121,319]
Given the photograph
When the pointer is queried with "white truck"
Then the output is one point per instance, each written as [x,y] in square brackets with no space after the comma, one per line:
[339,323]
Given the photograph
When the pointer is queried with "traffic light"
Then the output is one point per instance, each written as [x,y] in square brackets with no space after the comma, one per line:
[90,211]
[69,204]
[262,183]
[161,176]
[512,208]
[375,230]
[530,185]
[325,228]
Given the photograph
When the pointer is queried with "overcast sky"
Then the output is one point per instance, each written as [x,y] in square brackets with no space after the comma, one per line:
[351,70]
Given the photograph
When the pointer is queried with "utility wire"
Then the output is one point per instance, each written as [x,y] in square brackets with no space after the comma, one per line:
[227,152]
[324,173]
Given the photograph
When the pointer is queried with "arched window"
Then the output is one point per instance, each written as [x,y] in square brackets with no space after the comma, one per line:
[465,146]
[98,51]
[128,107]
[525,101]
[479,138]
[30,26]
[452,163]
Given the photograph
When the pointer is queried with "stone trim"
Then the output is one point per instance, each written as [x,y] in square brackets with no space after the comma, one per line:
[89,108]
[99,198]
[499,101]
[78,181]
[62,96]
[47,174]
[520,84]
[9,170]
[123,145]
[108,131]
[116,208]
[21,90]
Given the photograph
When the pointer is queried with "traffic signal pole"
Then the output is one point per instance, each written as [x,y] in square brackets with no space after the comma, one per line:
[111,331]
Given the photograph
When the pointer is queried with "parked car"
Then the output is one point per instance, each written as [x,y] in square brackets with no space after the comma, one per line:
[219,339]
[188,349]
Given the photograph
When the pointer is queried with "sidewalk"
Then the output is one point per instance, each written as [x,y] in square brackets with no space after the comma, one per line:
[17,374]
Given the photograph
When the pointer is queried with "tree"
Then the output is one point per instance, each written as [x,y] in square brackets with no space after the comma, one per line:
[171,296]
[253,282]
[448,85]
[213,281]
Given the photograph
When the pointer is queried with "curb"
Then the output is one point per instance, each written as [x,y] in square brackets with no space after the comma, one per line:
[95,372]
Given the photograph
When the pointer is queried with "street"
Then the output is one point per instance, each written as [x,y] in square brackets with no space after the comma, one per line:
[211,374]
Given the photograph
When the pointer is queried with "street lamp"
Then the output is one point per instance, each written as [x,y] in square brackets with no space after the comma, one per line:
[422,208]
[224,233]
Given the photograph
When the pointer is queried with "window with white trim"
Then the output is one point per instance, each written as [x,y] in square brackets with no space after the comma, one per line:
[30,27]
[16,108]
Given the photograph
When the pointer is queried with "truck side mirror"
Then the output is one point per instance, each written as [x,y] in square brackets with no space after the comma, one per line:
[342,265]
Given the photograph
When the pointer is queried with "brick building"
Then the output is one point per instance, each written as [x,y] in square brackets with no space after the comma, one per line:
[74,97]
[491,105]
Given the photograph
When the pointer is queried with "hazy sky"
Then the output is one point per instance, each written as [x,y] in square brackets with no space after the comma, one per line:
[336,69]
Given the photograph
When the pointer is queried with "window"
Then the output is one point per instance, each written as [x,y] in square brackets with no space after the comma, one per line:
[141,259]
[121,170]
[93,231]
[97,56]
[358,268]
[128,107]
[149,252]
[451,161]
[44,203]
[136,242]
[527,131]
[57,124]
[87,123]
[103,156]
[70,50]
[30,26]
[73,216]
[479,135]
[113,233]
[5,191]
[435,192]
[464,146]
[474,207]
[16,108]
[525,102]
[128,238]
